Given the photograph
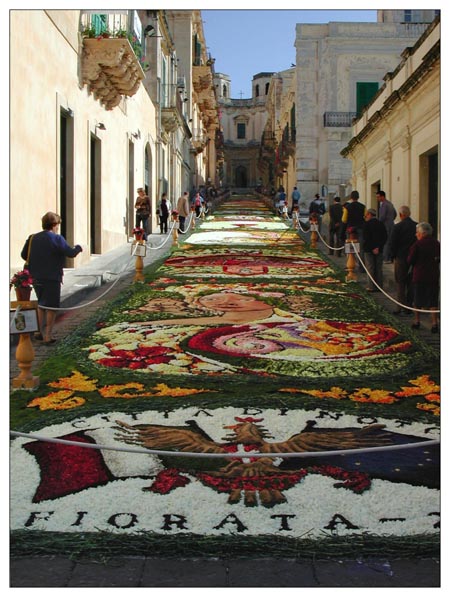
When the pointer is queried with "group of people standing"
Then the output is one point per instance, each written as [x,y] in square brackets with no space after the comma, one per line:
[409,245]
[197,202]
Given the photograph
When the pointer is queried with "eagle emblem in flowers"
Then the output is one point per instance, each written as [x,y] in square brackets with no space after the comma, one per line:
[256,480]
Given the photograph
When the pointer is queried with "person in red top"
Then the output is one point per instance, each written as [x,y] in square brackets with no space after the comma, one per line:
[424,257]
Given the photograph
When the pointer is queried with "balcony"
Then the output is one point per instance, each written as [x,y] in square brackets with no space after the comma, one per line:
[199,140]
[110,58]
[171,108]
[338,119]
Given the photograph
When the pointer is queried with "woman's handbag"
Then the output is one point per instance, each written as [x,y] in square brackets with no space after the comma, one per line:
[27,260]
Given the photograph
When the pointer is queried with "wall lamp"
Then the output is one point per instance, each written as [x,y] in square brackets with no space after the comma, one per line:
[150,31]
[136,135]
[100,126]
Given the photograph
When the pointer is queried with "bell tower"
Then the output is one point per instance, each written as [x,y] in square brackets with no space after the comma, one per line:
[223,87]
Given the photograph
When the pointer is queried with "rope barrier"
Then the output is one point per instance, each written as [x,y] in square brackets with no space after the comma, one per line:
[328,246]
[392,299]
[165,240]
[82,305]
[118,274]
[228,454]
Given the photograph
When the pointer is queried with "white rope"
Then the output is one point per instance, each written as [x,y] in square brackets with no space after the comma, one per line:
[119,276]
[328,246]
[169,236]
[227,454]
[301,227]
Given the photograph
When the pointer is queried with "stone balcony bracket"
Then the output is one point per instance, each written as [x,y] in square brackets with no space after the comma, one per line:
[170,119]
[110,69]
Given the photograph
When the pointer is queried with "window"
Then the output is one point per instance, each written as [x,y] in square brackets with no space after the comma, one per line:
[267,88]
[364,94]
[241,130]
[257,90]
[197,51]
[225,91]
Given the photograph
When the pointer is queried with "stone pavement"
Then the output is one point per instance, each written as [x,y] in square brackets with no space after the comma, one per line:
[214,572]
[82,286]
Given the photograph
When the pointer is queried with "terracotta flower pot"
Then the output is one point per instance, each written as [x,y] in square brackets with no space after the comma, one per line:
[23,294]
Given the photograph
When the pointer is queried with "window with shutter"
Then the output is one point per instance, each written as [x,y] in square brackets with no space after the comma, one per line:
[364,94]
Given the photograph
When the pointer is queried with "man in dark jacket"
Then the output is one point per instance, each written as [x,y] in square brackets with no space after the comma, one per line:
[353,219]
[374,239]
[334,227]
[402,238]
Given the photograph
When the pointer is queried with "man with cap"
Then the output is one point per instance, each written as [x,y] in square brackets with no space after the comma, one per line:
[374,239]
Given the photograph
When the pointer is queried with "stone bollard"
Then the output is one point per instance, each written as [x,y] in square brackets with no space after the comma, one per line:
[139,249]
[176,225]
[314,227]
[351,259]
[25,353]
[193,222]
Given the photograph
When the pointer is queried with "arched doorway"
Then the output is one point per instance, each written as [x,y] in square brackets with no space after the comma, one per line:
[241,176]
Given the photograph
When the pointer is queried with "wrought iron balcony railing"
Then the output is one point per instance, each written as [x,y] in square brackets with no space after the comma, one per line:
[338,118]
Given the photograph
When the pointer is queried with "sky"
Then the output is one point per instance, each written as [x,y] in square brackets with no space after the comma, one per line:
[247,42]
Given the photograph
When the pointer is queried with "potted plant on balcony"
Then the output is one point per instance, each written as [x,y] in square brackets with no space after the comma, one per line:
[88,32]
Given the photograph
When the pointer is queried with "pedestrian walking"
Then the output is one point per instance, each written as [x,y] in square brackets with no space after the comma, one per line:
[197,202]
[183,210]
[374,239]
[163,211]
[334,227]
[317,208]
[143,210]
[295,196]
[45,253]
[402,238]
[386,214]
[353,217]
[424,257]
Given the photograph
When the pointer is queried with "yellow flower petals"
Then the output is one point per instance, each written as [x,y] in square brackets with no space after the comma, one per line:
[77,381]
[375,396]
[62,400]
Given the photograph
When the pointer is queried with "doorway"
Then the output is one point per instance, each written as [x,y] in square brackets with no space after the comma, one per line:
[241,177]
[66,178]
[95,197]
[433,197]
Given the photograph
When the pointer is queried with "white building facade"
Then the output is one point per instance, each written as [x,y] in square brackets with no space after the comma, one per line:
[340,67]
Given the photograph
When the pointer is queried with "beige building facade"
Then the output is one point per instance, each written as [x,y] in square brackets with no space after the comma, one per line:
[277,155]
[102,103]
[339,68]
[69,151]
[242,126]
[395,144]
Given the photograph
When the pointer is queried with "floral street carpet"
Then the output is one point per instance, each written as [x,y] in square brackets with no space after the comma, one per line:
[245,340]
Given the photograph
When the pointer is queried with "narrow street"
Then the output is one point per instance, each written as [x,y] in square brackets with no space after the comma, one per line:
[242,339]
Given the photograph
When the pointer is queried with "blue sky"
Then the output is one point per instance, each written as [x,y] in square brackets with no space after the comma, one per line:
[247,42]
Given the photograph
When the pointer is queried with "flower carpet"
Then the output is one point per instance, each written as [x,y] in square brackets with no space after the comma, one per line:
[243,347]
